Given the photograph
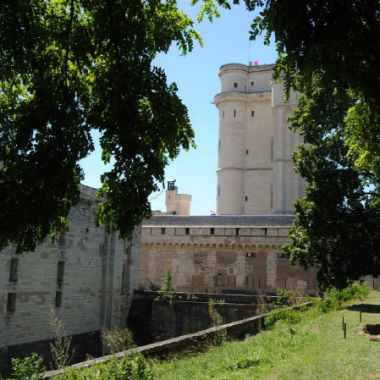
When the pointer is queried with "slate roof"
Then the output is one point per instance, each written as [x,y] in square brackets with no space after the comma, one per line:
[222,221]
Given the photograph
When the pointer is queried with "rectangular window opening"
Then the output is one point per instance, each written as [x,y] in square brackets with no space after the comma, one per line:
[124,279]
[60,272]
[13,275]
[281,255]
[247,151]
[58,299]
[234,113]
[237,231]
[163,231]
[252,255]
[212,231]
[252,83]
[246,198]
[187,231]
[252,113]
[11,302]
[235,85]
[264,231]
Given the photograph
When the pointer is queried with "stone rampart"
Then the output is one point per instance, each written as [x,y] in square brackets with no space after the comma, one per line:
[87,277]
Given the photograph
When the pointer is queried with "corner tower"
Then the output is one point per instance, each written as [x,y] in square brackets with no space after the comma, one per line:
[255,172]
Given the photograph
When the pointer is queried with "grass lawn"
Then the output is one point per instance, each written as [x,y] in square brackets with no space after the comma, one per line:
[312,349]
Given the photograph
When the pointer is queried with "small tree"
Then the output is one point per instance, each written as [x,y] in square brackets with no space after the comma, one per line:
[216,321]
[61,348]
[167,291]
[117,340]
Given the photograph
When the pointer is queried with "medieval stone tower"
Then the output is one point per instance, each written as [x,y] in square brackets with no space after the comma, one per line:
[255,172]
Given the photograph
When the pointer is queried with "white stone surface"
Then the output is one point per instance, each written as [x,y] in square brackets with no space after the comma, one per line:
[255,174]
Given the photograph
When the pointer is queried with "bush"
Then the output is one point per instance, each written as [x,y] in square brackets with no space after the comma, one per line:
[353,291]
[284,297]
[287,315]
[334,299]
[115,341]
[167,291]
[28,368]
[136,368]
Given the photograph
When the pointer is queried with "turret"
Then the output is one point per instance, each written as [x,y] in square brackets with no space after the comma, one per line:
[176,204]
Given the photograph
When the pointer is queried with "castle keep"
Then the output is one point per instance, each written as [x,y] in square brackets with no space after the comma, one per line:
[255,172]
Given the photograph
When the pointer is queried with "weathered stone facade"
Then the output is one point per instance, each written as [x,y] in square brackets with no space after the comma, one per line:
[221,253]
[88,277]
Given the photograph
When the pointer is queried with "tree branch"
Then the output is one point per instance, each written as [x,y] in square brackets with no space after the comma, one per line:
[113,34]
[68,33]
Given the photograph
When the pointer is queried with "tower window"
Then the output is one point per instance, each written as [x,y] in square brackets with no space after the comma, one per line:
[163,231]
[234,113]
[264,231]
[171,185]
[281,255]
[252,113]
[212,231]
[252,83]
[235,85]
[187,231]
[250,254]
[246,198]
[246,151]
[11,302]
[14,270]
[237,231]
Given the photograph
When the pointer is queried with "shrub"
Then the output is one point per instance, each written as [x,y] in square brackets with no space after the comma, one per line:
[216,320]
[167,291]
[136,368]
[61,348]
[117,340]
[28,368]
[334,299]
[284,297]
[353,291]
[287,315]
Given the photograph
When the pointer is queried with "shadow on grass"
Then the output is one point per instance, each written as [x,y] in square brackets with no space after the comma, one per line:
[365,308]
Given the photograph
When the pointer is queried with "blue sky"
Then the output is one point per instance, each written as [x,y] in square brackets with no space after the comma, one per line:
[226,40]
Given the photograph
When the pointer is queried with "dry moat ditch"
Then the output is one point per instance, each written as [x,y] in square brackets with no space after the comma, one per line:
[370,331]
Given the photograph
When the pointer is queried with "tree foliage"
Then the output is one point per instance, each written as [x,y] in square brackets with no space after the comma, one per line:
[338,221]
[68,67]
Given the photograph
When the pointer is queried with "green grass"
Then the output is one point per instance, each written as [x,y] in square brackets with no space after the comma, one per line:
[313,348]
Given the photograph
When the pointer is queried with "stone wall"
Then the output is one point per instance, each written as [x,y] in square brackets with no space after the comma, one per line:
[234,259]
[163,321]
[87,277]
